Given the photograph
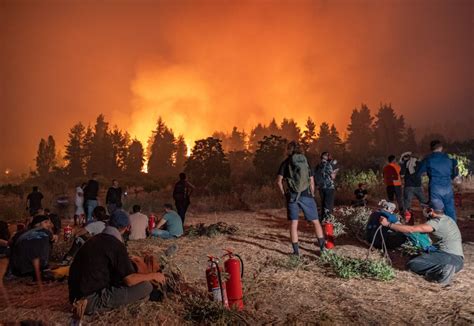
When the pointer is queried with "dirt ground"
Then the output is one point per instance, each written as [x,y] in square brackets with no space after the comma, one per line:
[275,294]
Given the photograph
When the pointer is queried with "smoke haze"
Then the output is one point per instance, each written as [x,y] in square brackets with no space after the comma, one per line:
[210,65]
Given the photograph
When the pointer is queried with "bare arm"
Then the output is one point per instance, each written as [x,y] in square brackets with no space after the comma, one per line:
[161,223]
[422,228]
[279,182]
[311,185]
[136,278]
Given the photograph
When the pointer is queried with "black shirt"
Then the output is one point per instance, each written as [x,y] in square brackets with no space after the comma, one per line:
[91,190]
[284,171]
[411,180]
[34,199]
[360,193]
[101,262]
[114,196]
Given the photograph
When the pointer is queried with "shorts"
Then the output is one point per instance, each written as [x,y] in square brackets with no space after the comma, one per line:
[306,204]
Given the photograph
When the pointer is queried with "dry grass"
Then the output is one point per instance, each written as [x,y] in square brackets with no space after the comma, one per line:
[277,291]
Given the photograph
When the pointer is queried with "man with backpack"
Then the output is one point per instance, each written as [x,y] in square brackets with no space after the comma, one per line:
[325,175]
[299,193]
[181,194]
[412,186]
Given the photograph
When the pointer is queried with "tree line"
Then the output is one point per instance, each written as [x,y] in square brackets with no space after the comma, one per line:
[219,160]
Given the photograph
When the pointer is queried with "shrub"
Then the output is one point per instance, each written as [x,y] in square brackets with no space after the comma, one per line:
[355,219]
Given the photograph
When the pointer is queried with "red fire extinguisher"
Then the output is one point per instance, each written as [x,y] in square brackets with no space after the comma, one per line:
[151,222]
[215,285]
[329,231]
[407,216]
[67,232]
[234,267]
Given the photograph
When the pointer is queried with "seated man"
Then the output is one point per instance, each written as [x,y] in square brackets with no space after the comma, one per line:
[138,224]
[102,276]
[4,238]
[33,244]
[88,231]
[361,195]
[440,265]
[392,239]
[172,222]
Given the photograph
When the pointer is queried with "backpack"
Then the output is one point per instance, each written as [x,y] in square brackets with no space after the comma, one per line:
[421,240]
[299,176]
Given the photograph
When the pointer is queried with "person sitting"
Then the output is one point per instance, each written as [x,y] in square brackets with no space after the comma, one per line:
[361,196]
[102,276]
[439,265]
[30,245]
[391,238]
[138,224]
[172,222]
[4,238]
[88,231]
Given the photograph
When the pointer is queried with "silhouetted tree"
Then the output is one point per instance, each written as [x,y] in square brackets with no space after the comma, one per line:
[181,154]
[162,151]
[74,151]
[388,131]
[360,134]
[256,135]
[336,146]
[290,130]
[120,143]
[102,158]
[271,152]
[135,158]
[87,147]
[236,140]
[273,129]
[309,135]
[208,166]
[325,141]
[46,156]
[410,140]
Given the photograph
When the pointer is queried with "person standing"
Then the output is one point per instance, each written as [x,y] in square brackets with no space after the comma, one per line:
[412,186]
[181,194]
[325,175]
[91,191]
[79,203]
[299,194]
[33,201]
[393,181]
[441,170]
[113,199]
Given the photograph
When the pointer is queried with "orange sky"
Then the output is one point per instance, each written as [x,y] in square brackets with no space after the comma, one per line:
[210,65]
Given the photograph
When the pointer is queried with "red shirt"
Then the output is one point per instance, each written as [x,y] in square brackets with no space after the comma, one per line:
[391,174]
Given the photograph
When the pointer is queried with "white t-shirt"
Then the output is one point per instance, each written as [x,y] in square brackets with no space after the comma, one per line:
[138,223]
[79,201]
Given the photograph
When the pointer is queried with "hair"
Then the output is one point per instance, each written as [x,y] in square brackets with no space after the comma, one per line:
[323,154]
[435,144]
[391,158]
[294,147]
[35,188]
[182,176]
[114,180]
[46,211]
[136,208]
[100,213]
[361,184]
[168,206]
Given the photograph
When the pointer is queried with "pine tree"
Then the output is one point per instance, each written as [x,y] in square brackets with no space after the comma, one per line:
[309,136]
[273,129]
[410,140]
[86,147]
[162,150]
[268,157]
[181,154]
[135,158]
[102,158]
[290,130]
[74,151]
[360,134]
[46,156]
[256,135]
[120,143]
[236,140]
[336,142]
[325,141]
[388,131]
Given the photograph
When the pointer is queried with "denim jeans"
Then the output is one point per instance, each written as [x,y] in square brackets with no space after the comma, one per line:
[409,193]
[430,265]
[90,205]
[114,297]
[327,201]
[442,198]
[163,234]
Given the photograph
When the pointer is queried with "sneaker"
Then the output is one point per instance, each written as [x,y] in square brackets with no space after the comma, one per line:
[78,310]
[447,273]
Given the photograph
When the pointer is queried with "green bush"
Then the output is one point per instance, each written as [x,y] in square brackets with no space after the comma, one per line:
[463,164]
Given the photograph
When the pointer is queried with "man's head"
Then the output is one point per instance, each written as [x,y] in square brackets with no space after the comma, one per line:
[136,208]
[391,158]
[99,213]
[325,156]
[94,176]
[115,183]
[41,221]
[436,145]
[182,176]
[405,156]
[293,147]
[362,186]
[47,211]
[387,206]
[168,207]
[35,188]
[120,220]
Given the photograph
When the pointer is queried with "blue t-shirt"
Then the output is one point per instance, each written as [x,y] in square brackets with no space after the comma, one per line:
[174,225]
[440,169]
